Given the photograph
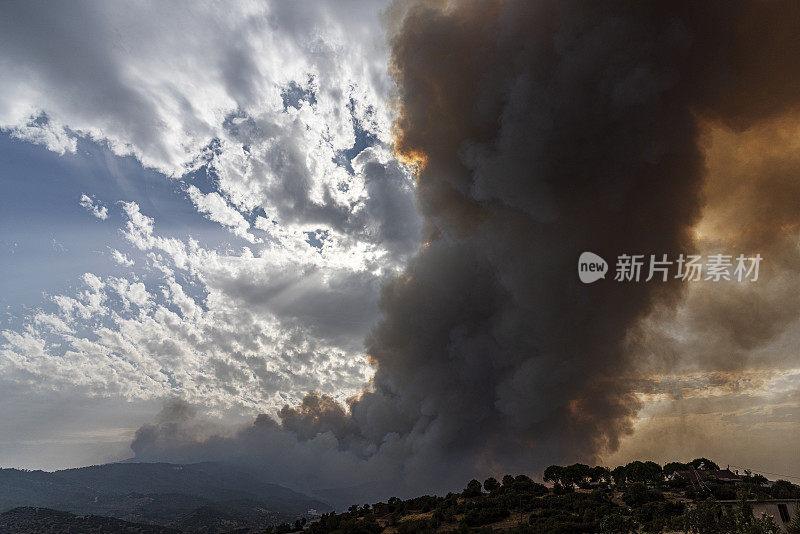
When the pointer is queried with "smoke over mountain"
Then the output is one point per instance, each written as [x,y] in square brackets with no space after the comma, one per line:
[540,130]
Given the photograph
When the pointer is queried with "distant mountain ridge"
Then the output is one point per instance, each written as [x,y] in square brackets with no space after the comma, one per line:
[156,493]
[32,520]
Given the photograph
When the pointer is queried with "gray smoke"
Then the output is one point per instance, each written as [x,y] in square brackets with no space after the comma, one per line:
[541,130]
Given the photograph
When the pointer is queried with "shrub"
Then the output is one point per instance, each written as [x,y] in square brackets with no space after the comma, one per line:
[617,524]
[484,516]
[637,494]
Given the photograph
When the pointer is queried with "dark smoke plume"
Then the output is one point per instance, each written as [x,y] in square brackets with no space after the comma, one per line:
[541,129]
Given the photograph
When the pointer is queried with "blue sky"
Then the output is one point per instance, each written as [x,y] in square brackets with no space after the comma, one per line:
[214,230]
[49,240]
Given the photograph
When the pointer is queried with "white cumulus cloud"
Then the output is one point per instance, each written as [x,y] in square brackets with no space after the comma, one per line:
[94,207]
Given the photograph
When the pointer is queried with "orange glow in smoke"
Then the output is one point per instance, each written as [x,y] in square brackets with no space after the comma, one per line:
[415,159]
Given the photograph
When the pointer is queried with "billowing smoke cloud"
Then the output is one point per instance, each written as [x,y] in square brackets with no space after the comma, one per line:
[750,208]
[721,373]
[540,130]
